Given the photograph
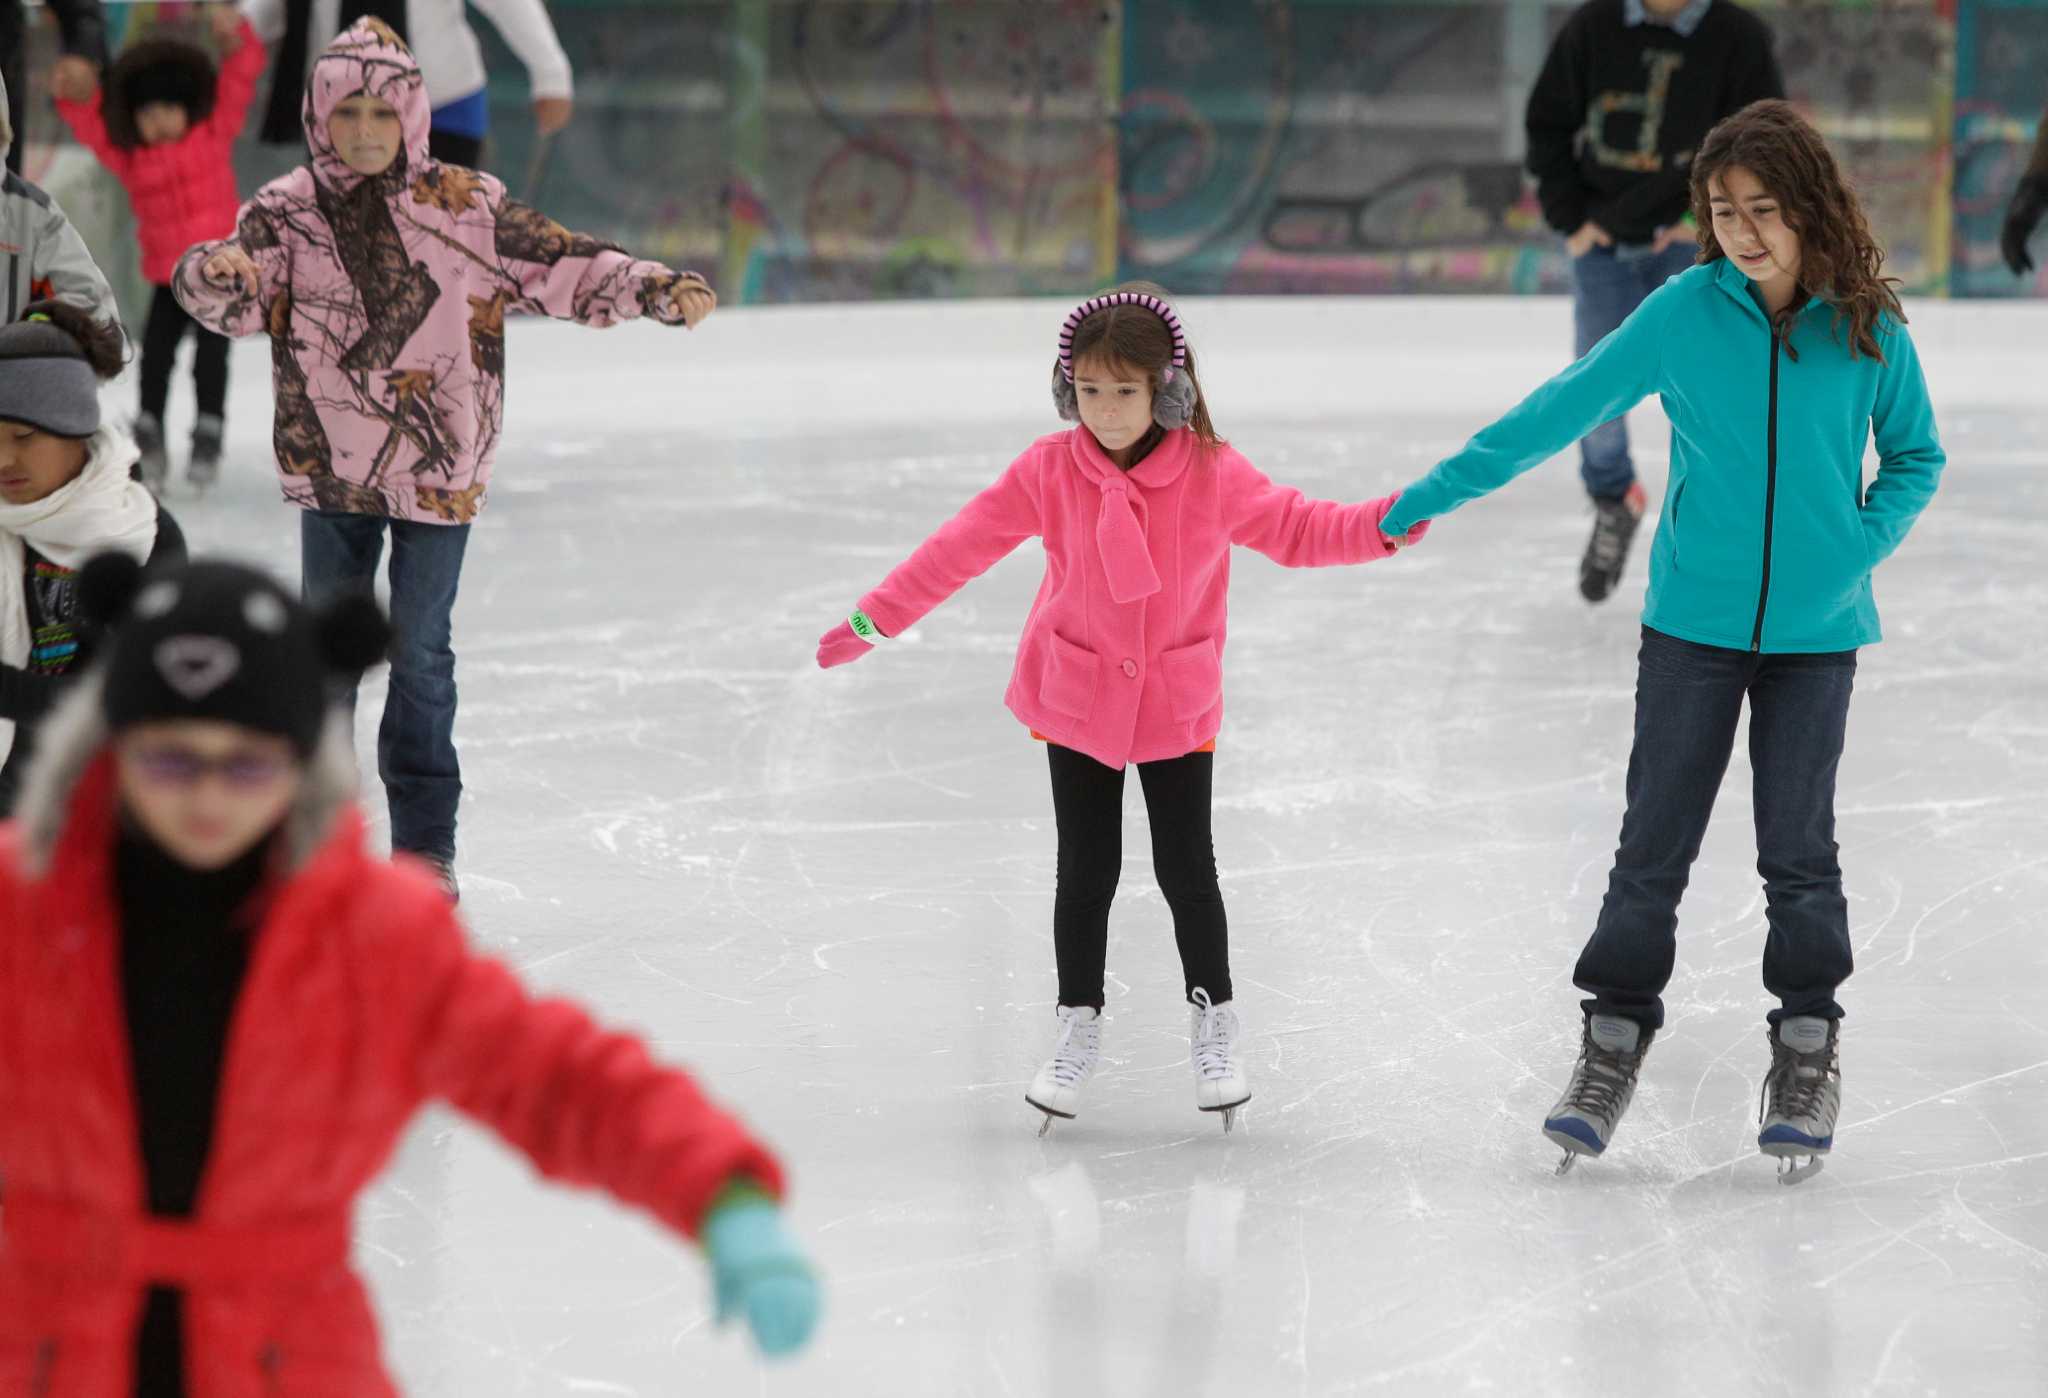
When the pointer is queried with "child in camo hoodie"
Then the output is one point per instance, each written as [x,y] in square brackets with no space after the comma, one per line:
[383,278]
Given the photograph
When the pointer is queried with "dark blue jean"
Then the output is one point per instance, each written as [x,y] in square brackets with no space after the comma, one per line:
[1688,703]
[1607,286]
[339,553]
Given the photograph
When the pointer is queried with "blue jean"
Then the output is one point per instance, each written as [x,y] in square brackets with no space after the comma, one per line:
[1688,703]
[1607,286]
[339,554]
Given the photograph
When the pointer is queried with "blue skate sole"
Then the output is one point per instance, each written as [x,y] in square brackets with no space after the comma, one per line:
[1574,1135]
[1786,1141]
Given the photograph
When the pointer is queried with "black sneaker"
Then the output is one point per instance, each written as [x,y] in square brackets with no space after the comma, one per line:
[207,437]
[1614,528]
[154,465]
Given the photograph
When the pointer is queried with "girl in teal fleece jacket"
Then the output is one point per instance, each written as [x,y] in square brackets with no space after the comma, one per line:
[1777,358]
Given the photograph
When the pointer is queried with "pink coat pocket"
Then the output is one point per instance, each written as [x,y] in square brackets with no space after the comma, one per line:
[1194,680]
[1068,685]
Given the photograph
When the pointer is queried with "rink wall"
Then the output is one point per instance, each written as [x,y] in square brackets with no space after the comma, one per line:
[931,370]
[806,150]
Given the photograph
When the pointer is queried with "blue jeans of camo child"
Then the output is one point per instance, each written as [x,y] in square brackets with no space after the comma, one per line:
[416,741]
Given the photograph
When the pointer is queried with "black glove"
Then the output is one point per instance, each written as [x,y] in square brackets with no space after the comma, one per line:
[2029,202]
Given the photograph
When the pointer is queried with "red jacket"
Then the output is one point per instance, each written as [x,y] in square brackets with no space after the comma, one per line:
[362,1001]
[184,192]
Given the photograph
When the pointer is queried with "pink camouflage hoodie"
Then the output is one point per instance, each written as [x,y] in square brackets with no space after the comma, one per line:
[1122,653]
[385,301]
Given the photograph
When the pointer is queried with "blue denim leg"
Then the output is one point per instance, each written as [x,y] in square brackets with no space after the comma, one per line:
[338,555]
[416,743]
[1688,702]
[1798,716]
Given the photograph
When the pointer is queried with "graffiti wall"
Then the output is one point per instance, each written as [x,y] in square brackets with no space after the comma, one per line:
[823,149]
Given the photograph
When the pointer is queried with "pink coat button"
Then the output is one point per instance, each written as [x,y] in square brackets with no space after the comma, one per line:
[1131,668]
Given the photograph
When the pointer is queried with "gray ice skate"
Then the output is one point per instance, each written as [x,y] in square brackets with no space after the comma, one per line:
[1610,1055]
[1802,1096]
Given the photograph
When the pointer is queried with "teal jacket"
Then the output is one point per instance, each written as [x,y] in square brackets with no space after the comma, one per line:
[1767,537]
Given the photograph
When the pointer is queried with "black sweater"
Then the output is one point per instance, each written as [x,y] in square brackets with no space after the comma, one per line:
[1620,110]
[184,952]
[61,647]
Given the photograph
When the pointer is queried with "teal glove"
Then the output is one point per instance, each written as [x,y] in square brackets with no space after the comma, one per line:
[758,1269]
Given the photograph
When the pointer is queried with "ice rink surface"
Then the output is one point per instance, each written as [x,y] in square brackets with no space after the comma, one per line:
[830,894]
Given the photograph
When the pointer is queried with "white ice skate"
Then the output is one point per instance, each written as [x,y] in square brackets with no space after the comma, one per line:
[1802,1096]
[1056,1090]
[1220,1081]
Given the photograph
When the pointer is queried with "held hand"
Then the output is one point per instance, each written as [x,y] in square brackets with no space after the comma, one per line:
[758,1271]
[551,114]
[74,79]
[233,267]
[840,646]
[2029,202]
[1589,236]
[1411,538]
[693,299]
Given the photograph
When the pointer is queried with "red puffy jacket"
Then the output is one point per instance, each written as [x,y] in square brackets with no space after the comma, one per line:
[184,192]
[362,1001]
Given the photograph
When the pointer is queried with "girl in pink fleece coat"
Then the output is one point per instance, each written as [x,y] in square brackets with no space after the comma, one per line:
[1122,656]
[383,278]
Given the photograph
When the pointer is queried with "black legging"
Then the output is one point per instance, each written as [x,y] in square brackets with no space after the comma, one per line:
[167,326]
[1088,800]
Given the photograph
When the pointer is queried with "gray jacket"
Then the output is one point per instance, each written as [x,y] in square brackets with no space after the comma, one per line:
[41,254]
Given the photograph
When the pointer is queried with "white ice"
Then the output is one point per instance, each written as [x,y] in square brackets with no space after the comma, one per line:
[830,895]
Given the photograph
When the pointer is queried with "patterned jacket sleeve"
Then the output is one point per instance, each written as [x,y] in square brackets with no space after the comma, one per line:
[231,310]
[573,276]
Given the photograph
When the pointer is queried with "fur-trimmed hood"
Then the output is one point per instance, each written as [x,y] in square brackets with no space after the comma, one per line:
[74,740]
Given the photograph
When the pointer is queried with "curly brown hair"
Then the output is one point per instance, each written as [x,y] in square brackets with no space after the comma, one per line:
[1839,259]
[1132,338]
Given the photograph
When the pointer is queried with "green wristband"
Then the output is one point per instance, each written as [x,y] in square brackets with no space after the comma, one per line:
[865,628]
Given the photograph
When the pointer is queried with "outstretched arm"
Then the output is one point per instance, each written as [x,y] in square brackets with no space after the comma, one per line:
[1297,532]
[573,276]
[229,285]
[985,531]
[1614,376]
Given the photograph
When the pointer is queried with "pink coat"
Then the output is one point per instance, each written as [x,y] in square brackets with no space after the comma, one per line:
[385,300]
[184,191]
[1122,654]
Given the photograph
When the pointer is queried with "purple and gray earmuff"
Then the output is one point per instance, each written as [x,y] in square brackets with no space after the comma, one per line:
[1173,405]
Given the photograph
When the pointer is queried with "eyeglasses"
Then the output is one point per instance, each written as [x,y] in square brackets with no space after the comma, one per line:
[178,766]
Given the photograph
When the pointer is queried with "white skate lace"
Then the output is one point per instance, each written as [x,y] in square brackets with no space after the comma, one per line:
[1796,1082]
[1069,1059]
[1214,1037]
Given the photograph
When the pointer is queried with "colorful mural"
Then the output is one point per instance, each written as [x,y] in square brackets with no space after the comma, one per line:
[804,150]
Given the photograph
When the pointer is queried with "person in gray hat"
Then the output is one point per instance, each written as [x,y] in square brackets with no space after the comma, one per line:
[44,256]
[67,494]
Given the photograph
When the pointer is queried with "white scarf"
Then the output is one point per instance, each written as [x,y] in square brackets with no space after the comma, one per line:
[102,511]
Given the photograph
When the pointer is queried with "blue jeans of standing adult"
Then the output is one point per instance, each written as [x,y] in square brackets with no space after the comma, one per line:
[1688,702]
[1607,286]
[339,554]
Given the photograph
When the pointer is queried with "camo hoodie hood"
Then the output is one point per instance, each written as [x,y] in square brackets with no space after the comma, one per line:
[366,58]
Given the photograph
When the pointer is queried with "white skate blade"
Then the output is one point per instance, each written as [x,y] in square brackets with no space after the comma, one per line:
[1050,1115]
[1572,1147]
[1792,1173]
